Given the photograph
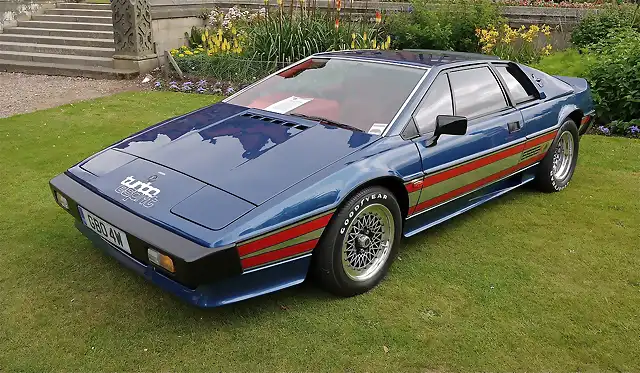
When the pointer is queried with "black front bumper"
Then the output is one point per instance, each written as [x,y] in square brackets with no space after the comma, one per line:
[195,264]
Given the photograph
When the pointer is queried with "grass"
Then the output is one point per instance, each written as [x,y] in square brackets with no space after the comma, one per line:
[531,281]
[568,62]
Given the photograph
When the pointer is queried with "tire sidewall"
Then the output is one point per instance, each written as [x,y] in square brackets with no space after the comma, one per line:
[339,228]
[560,184]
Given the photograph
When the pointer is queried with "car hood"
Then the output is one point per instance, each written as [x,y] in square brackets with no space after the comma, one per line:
[252,154]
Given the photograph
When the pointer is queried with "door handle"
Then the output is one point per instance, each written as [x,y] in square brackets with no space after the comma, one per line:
[514,127]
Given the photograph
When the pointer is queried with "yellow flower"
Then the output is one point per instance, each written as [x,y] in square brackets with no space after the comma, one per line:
[196,52]
[353,44]
[374,43]
[388,41]
[203,37]
[364,36]
[233,30]
[181,55]
[353,36]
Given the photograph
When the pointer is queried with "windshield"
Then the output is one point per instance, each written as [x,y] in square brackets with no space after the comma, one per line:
[360,94]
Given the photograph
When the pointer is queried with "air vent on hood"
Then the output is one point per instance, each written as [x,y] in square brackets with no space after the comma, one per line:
[297,126]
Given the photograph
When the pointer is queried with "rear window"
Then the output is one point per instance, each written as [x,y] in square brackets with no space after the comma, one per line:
[362,94]
[517,90]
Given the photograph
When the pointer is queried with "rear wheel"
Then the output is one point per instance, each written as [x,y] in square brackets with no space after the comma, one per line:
[360,243]
[558,166]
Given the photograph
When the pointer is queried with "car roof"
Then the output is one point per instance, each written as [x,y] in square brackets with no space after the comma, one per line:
[424,58]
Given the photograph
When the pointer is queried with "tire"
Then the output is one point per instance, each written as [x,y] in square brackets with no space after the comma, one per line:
[341,258]
[557,167]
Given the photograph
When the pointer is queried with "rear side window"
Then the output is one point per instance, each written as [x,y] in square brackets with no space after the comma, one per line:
[436,102]
[476,92]
[517,90]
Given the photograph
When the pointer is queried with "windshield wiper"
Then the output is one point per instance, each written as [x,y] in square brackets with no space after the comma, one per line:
[327,121]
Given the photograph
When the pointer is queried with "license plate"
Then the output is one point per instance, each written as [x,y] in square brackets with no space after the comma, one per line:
[108,232]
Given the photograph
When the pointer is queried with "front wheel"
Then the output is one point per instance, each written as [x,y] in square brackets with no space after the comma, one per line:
[557,167]
[360,243]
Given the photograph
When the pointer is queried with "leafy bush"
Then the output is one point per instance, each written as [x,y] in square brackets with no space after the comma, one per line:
[432,24]
[524,45]
[596,26]
[286,37]
[569,62]
[615,75]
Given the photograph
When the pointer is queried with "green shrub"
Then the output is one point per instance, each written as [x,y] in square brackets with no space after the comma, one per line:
[614,75]
[226,67]
[568,62]
[287,37]
[596,26]
[431,24]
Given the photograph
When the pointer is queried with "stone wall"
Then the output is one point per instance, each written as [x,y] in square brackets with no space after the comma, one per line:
[172,18]
[13,10]
[168,33]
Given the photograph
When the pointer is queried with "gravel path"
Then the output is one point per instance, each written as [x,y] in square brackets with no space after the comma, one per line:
[23,93]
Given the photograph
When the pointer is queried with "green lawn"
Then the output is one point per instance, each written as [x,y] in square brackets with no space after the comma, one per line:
[530,282]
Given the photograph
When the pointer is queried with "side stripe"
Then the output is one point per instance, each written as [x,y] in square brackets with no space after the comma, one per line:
[475,185]
[278,254]
[462,178]
[284,235]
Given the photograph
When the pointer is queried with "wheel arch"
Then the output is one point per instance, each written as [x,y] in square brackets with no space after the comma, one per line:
[570,112]
[395,186]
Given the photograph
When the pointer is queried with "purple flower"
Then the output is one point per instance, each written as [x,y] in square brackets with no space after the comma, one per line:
[202,82]
[634,130]
[174,87]
[173,82]
[158,85]
[410,9]
[186,88]
[201,90]
[230,90]
[188,83]
[604,130]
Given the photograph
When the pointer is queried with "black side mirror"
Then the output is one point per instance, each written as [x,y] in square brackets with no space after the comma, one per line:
[450,125]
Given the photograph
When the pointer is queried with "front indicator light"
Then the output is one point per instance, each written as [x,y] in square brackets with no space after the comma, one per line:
[62,201]
[161,260]
[586,119]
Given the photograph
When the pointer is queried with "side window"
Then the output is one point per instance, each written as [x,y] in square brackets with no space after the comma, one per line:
[436,102]
[510,75]
[476,92]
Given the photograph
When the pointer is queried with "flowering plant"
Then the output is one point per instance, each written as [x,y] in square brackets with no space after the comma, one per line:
[523,44]
[553,4]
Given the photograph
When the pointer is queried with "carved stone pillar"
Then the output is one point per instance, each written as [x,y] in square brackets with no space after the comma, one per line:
[132,35]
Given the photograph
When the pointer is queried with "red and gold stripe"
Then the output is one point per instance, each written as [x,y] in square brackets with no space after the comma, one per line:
[283,243]
[463,178]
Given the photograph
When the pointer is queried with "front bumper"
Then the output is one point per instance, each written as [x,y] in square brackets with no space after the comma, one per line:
[205,277]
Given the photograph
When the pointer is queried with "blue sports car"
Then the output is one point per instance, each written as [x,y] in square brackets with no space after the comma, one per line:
[321,168]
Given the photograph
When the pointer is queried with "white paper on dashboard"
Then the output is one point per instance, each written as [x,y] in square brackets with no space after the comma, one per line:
[288,104]
[377,128]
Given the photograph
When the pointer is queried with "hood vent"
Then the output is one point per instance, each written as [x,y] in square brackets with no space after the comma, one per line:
[297,126]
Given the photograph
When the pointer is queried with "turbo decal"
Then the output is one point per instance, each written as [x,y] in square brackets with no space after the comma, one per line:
[463,178]
[283,243]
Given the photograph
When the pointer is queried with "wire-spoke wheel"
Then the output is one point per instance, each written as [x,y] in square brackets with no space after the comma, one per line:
[557,167]
[359,244]
[563,156]
[367,242]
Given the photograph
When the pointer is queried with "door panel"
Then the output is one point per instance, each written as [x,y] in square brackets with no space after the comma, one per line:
[457,165]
